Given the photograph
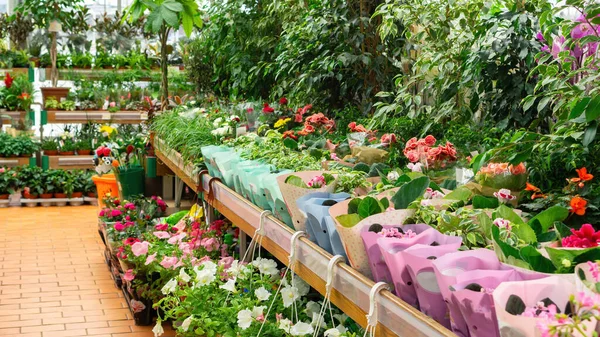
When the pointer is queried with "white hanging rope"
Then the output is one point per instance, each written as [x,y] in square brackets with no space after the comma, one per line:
[292,258]
[327,301]
[372,315]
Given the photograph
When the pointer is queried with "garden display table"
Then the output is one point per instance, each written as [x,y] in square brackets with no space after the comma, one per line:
[350,291]
[95,116]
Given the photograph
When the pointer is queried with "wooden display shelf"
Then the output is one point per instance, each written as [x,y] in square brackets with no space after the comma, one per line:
[71,162]
[174,161]
[350,288]
[14,116]
[13,72]
[97,74]
[95,116]
[13,162]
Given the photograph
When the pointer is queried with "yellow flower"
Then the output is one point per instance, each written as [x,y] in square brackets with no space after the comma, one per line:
[281,123]
[107,129]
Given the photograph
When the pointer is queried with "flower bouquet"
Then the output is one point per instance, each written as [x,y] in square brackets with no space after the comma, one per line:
[296,185]
[316,206]
[437,161]
[544,307]
[497,176]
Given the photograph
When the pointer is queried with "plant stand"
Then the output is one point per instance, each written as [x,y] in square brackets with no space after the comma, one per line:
[141,318]
[76,201]
[4,203]
[30,202]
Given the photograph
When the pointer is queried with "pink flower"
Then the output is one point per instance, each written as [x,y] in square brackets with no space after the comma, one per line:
[185,248]
[210,244]
[585,237]
[129,276]
[150,259]
[101,214]
[119,227]
[594,270]
[2,170]
[129,206]
[388,138]
[112,104]
[504,195]
[430,140]
[115,212]
[161,227]
[317,182]
[177,238]
[162,235]
[503,223]
[412,156]
[180,226]
[137,306]
[226,262]
[140,248]
[169,261]
[250,110]
[279,317]
[260,318]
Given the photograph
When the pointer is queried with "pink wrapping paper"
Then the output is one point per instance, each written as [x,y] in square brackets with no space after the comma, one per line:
[448,267]
[380,270]
[557,288]
[291,193]
[477,308]
[418,259]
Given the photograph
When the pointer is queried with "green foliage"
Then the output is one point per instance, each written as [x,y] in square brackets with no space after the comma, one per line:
[17,146]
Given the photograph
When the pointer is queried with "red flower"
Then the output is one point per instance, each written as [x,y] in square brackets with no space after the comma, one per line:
[585,237]
[298,118]
[537,192]
[131,241]
[289,134]
[583,176]
[267,109]
[430,140]
[578,205]
[8,81]
[24,96]
[283,101]
[130,149]
[388,138]
[250,110]
[356,128]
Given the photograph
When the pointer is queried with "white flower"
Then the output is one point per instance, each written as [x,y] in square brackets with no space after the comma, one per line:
[229,285]
[289,295]
[158,329]
[285,325]
[217,122]
[184,276]
[169,287]
[204,277]
[393,176]
[303,287]
[244,319]
[262,294]
[266,266]
[258,311]
[341,328]
[301,329]
[234,269]
[312,307]
[316,317]
[332,333]
[415,167]
[504,195]
[341,317]
[186,323]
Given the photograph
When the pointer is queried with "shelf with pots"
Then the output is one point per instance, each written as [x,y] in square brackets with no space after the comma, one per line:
[350,288]
[95,116]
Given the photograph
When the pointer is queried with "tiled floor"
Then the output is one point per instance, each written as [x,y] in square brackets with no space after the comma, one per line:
[53,279]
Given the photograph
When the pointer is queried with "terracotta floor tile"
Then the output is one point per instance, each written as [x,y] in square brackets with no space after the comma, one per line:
[53,279]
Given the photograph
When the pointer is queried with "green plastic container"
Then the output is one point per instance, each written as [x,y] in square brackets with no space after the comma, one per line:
[131,182]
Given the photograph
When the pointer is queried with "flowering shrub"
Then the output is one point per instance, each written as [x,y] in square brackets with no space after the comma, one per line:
[503,176]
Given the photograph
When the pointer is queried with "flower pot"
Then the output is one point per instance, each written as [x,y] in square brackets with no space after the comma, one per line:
[91,195]
[66,153]
[4,196]
[60,195]
[77,195]
[56,92]
[46,195]
[130,182]
[50,152]
[30,195]
[84,152]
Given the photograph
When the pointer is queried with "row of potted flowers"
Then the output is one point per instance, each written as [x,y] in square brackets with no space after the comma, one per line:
[181,265]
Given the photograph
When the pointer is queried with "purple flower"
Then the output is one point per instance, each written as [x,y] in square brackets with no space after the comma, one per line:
[540,36]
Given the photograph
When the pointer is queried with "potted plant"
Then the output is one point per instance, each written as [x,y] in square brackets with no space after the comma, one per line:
[84,147]
[52,15]
[47,187]
[67,148]
[82,60]
[8,184]
[79,180]
[31,180]
[50,147]
[51,103]
[67,105]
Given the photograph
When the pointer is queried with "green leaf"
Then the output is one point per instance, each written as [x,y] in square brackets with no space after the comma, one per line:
[410,192]
[188,25]
[528,102]
[562,230]
[480,201]
[296,181]
[579,108]
[172,5]
[536,260]
[507,213]
[505,248]
[290,143]
[449,184]
[462,193]
[592,111]
[543,102]
[486,224]
[349,220]
[385,203]
[353,205]
[170,17]
[565,260]
[155,21]
[590,133]
[368,207]
[551,215]
[524,232]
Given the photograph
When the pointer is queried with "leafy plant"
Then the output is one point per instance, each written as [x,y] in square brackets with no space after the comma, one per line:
[49,144]
[67,105]
[52,103]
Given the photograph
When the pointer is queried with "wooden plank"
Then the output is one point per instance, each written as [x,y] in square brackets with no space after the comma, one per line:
[13,162]
[14,116]
[71,162]
[96,116]
[176,170]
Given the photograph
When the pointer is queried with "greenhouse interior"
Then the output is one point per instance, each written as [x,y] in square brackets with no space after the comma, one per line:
[339,168]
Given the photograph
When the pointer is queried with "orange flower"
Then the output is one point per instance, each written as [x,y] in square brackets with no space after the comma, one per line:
[115,163]
[537,193]
[24,96]
[578,205]
[519,169]
[583,175]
